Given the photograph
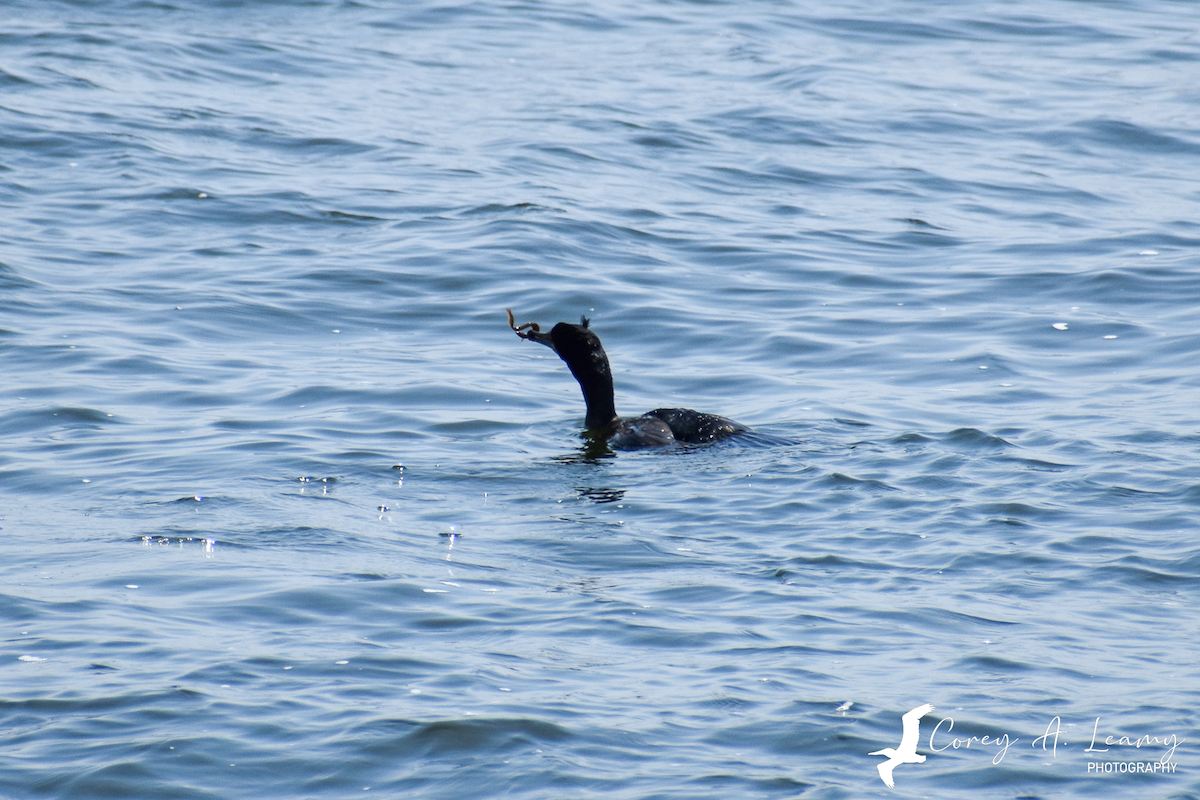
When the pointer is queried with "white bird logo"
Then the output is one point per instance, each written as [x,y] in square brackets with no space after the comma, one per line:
[907,752]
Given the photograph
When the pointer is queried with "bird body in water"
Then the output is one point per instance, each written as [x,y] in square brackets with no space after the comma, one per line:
[580,348]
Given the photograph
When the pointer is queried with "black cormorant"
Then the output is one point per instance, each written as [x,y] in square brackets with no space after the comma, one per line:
[581,349]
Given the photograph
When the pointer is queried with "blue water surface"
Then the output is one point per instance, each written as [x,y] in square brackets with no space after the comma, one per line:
[287,511]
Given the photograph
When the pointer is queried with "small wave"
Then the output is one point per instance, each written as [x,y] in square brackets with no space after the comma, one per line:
[975,438]
[465,737]
[54,417]
[839,480]
[1129,136]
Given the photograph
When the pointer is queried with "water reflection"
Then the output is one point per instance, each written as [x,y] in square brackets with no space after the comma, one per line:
[600,495]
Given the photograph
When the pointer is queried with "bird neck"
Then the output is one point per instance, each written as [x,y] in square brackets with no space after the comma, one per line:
[595,379]
[601,413]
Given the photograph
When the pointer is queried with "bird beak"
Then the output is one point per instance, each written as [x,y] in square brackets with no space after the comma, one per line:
[541,338]
[530,330]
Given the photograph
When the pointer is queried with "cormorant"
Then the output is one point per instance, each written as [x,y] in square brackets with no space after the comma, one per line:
[581,349]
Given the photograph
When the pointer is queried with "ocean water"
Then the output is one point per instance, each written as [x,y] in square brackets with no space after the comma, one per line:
[287,511]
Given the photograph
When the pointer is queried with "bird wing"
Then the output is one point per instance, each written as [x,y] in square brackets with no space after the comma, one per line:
[912,728]
[885,772]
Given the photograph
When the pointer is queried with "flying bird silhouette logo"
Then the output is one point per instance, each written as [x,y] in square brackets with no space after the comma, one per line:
[906,753]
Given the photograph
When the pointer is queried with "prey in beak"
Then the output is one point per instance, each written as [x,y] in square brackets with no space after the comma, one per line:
[530,330]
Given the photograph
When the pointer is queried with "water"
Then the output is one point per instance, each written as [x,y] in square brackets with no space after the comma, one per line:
[254,257]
